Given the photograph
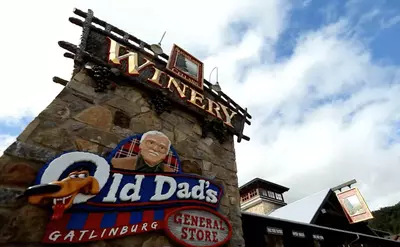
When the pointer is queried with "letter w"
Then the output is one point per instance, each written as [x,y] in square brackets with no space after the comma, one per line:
[133,58]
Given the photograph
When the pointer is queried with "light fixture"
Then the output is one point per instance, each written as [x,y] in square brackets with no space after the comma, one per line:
[156,48]
[215,86]
[88,66]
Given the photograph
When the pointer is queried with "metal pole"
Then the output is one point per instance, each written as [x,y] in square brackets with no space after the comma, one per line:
[209,78]
[162,38]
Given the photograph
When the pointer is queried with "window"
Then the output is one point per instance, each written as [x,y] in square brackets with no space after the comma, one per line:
[278,196]
[253,193]
[271,194]
[274,230]
[249,195]
[298,234]
[318,237]
[273,240]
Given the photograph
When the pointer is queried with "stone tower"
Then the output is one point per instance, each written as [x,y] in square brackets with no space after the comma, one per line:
[119,89]
[261,196]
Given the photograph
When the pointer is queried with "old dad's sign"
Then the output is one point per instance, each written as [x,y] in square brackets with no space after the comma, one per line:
[135,64]
[136,189]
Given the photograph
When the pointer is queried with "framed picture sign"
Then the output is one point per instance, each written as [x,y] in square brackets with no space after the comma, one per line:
[186,67]
[354,206]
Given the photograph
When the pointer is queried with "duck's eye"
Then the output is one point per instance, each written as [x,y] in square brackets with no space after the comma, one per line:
[82,175]
[73,176]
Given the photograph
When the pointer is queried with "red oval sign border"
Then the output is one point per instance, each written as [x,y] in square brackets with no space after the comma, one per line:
[173,237]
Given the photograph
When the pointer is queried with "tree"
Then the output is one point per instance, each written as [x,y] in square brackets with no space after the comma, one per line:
[387,219]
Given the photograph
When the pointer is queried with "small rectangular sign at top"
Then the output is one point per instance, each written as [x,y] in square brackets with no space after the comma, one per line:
[186,67]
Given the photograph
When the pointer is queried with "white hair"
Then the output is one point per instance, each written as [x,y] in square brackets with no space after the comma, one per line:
[158,133]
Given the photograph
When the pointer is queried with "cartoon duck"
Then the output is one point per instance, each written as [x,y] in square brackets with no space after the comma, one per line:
[62,193]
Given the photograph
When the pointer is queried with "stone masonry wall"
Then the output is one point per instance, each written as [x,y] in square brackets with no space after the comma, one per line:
[80,119]
[270,207]
[263,207]
[257,209]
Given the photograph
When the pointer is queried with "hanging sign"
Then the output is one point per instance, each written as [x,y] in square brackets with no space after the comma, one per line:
[186,67]
[129,192]
[354,206]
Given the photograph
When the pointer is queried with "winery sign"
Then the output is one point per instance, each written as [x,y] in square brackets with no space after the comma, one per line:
[115,58]
[138,188]
[136,65]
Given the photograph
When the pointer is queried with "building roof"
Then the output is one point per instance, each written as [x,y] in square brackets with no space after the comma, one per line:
[316,226]
[303,210]
[264,183]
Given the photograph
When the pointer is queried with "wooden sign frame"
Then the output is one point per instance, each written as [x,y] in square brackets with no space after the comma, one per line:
[363,213]
[176,53]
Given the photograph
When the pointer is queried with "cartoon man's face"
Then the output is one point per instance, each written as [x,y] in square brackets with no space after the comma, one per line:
[154,149]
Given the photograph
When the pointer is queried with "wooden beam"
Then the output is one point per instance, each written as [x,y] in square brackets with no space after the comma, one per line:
[346,184]
[69,55]
[60,81]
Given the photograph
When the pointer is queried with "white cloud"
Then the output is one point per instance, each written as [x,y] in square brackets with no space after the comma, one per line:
[306,149]
[309,149]
[389,23]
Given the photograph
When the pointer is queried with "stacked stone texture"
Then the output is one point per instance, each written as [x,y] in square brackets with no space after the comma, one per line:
[80,119]
[263,208]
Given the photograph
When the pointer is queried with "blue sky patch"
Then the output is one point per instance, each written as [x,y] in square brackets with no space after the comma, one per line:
[374,22]
[14,128]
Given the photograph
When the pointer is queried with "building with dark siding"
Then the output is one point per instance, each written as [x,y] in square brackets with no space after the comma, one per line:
[314,221]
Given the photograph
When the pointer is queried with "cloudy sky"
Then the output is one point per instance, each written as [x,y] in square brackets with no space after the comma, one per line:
[322,78]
